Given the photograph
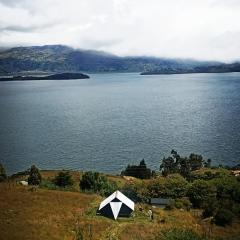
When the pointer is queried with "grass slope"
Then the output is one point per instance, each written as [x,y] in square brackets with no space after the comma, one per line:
[35,213]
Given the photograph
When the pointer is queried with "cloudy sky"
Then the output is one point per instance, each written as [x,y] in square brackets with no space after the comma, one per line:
[201,29]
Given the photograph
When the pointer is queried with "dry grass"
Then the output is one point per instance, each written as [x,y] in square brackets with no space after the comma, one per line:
[47,214]
[41,214]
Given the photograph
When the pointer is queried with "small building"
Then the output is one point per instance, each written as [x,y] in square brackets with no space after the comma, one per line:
[24,183]
[160,202]
[236,173]
[116,205]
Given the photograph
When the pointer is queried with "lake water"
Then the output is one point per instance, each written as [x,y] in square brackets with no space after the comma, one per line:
[110,120]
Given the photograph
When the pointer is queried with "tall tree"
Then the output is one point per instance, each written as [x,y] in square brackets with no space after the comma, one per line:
[63,179]
[3,175]
[171,164]
[185,167]
[34,176]
[196,161]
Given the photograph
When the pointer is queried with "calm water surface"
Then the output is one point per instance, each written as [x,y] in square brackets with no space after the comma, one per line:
[105,122]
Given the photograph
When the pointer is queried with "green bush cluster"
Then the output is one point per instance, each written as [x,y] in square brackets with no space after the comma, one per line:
[174,186]
[218,194]
[97,183]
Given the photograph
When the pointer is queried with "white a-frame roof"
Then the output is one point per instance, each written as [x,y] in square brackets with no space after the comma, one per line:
[116,205]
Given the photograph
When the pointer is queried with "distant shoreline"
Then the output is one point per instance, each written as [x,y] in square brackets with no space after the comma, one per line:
[60,76]
[183,72]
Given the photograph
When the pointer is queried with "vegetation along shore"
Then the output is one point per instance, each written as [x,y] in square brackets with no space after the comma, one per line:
[203,202]
[59,76]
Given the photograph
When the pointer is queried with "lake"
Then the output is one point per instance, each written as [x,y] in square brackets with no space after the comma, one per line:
[111,120]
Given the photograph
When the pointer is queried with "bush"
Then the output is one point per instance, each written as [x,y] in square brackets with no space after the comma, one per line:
[236,209]
[171,205]
[97,183]
[176,186]
[178,204]
[34,176]
[173,186]
[227,187]
[47,184]
[3,175]
[210,207]
[224,217]
[186,203]
[63,179]
[136,192]
[199,192]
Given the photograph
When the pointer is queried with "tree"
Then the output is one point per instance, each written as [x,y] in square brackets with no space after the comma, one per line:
[196,161]
[185,167]
[174,186]
[175,164]
[199,192]
[210,207]
[141,171]
[207,163]
[3,175]
[136,191]
[167,166]
[96,182]
[63,179]
[34,176]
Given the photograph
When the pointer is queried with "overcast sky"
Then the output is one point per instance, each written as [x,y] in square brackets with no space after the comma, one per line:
[200,29]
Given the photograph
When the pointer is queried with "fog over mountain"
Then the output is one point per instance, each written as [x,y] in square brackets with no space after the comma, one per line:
[203,30]
[59,58]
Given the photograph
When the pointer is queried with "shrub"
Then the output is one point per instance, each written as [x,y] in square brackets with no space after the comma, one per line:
[171,205]
[176,186]
[47,184]
[172,186]
[236,209]
[199,192]
[136,192]
[186,203]
[97,183]
[210,207]
[63,179]
[3,175]
[178,204]
[224,217]
[108,188]
[227,187]
[34,176]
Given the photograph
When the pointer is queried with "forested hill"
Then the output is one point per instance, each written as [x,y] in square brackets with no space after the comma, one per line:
[59,58]
[219,68]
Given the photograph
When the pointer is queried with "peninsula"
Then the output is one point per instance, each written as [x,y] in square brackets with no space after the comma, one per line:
[59,76]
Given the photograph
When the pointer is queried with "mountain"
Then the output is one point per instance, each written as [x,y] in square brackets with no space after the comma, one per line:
[219,68]
[59,58]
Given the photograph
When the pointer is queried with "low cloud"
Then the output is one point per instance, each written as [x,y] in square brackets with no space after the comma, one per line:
[207,29]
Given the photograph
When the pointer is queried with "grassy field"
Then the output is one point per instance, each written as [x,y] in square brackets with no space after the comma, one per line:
[35,213]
